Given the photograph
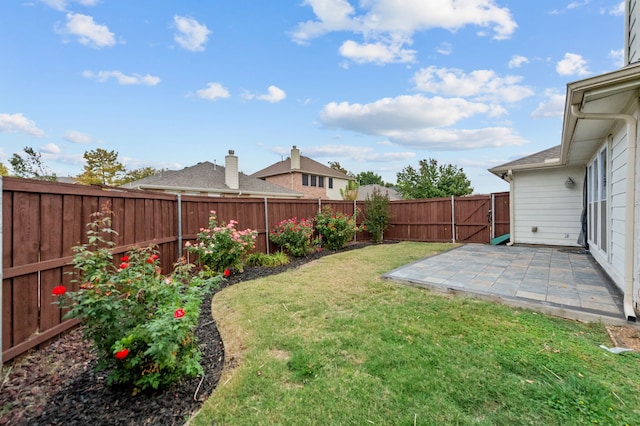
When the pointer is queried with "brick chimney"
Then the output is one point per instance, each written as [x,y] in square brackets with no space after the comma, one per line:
[231,178]
[295,158]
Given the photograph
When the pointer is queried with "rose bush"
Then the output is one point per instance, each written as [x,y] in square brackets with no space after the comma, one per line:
[222,247]
[335,228]
[294,236]
[140,323]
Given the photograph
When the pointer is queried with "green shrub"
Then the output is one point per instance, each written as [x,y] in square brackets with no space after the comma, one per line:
[222,247]
[140,323]
[335,228]
[294,236]
[269,260]
[376,214]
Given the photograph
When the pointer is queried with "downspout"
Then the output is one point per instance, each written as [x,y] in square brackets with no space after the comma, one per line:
[629,216]
[512,209]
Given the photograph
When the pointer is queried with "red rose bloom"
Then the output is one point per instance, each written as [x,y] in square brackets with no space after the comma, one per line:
[227,272]
[122,354]
[155,256]
[179,313]
[59,290]
[124,265]
[124,258]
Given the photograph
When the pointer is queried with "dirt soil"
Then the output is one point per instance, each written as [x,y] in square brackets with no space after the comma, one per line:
[57,385]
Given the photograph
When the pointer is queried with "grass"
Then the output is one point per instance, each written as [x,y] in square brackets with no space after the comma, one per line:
[331,343]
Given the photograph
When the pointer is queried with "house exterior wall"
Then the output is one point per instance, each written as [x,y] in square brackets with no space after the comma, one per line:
[293,181]
[632,36]
[338,184]
[541,200]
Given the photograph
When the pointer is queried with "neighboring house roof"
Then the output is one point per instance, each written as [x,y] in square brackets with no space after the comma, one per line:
[546,158]
[367,190]
[307,165]
[209,177]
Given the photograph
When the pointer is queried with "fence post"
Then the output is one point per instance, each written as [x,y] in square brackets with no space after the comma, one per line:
[492,231]
[1,285]
[453,219]
[179,202]
[266,223]
[355,219]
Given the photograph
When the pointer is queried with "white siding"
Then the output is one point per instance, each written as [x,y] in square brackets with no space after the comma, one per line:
[541,200]
[633,33]
[338,184]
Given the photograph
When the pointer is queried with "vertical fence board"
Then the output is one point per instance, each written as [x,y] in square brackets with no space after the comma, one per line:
[26,245]
[7,261]
[50,248]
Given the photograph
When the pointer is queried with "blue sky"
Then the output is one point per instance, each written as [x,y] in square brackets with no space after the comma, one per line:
[376,85]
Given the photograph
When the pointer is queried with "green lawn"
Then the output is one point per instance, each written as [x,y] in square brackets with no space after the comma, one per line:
[331,343]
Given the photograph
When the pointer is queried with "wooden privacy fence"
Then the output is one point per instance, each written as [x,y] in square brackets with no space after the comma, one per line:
[42,221]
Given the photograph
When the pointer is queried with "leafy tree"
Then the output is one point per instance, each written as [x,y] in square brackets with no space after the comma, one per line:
[377,214]
[137,174]
[102,168]
[3,170]
[350,192]
[336,166]
[432,180]
[369,178]
[31,166]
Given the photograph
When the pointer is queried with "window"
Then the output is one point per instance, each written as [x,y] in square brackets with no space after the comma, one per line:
[321,181]
[313,180]
[330,183]
[305,180]
[597,213]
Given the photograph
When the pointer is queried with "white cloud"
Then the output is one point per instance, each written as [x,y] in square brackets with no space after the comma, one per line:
[213,91]
[418,121]
[618,57]
[479,85]
[62,4]
[275,94]
[78,137]
[445,48]
[386,27]
[50,148]
[617,10]
[552,106]
[191,34]
[517,61]
[123,79]
[378,52]
[409,112]
[18,123]
[572,64]
[87,31]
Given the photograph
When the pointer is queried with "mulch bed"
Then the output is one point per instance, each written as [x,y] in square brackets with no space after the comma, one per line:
[57,385]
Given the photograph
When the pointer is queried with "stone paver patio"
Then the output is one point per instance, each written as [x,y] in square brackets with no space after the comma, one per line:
[560,281]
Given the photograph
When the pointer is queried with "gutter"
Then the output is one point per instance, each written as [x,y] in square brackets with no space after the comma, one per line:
[629,216]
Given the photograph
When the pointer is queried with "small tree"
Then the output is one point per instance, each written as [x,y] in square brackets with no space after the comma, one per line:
[377,214]
[432,180]
[31,166]
[3,170]
[350,192]
[102,168]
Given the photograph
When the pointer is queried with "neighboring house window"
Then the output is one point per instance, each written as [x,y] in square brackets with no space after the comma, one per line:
[313,180]
[330,183]
[321,181]
[305,180]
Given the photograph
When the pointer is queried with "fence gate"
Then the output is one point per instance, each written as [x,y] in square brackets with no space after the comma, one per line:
[473,219]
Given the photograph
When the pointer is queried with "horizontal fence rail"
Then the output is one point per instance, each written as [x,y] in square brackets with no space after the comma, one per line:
[42,221]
